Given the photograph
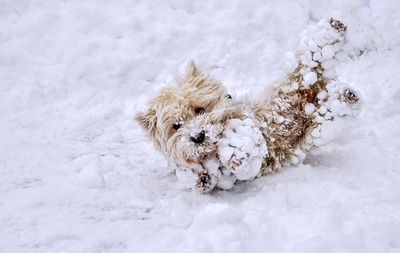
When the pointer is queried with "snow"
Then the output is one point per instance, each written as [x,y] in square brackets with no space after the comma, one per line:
[309,109]
[242,143]
[79,175]
[309,78]
[328,52]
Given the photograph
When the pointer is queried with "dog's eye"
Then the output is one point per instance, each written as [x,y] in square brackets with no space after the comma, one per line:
[228,96]
[177,126]
[199,110]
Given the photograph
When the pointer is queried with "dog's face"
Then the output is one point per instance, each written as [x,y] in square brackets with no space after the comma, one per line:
[186,121]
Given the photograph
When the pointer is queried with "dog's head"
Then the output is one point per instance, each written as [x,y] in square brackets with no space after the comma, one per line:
[185,121]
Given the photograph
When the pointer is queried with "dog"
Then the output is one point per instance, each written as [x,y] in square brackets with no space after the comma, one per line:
[187,121]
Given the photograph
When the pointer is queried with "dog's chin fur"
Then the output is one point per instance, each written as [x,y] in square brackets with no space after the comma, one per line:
[179,105]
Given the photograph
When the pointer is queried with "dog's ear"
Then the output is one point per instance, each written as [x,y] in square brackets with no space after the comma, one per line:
[191,73]
[192,70]
[147,120]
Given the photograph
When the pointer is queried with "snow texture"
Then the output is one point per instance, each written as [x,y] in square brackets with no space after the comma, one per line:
[79,175]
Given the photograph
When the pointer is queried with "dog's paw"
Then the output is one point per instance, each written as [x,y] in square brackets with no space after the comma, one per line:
[340,100]
[242,148]
[205,181]
[199,177]
[350,96]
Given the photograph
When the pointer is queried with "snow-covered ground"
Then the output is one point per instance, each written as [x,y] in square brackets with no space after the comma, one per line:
[77,174]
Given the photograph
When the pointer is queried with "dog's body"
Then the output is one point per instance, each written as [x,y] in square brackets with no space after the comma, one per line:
[187,121]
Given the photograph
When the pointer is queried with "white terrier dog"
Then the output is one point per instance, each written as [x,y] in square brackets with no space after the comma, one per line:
[215,140]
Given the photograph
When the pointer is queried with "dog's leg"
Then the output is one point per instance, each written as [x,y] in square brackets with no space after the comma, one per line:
[296,109]
[330,98]
[340,101]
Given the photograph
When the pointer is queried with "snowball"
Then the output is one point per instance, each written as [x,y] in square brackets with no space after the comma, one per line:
[322,95]
[320,40]
[329,64]
[225,153]
[248,170]
[309,78]
[322,110]
[313,46]
[294,160]
[304,71]
[317,56]
[328,52]
[307,60]
[319,119]
[312,64]
[233,123]
[309,109]
[244,158]
[212,166]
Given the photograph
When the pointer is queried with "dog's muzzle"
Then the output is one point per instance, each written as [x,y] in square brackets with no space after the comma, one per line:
[199,137]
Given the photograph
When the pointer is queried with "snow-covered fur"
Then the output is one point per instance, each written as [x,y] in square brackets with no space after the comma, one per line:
[215,140]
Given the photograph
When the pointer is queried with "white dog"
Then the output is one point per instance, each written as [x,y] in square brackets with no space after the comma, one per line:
[215,140]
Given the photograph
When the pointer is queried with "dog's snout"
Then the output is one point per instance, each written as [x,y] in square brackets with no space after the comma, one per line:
[198,138]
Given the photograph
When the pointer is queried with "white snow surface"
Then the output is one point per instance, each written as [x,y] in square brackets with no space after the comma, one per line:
[79,175]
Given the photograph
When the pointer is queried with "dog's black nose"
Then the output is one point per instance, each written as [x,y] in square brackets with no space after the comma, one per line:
[198,138]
